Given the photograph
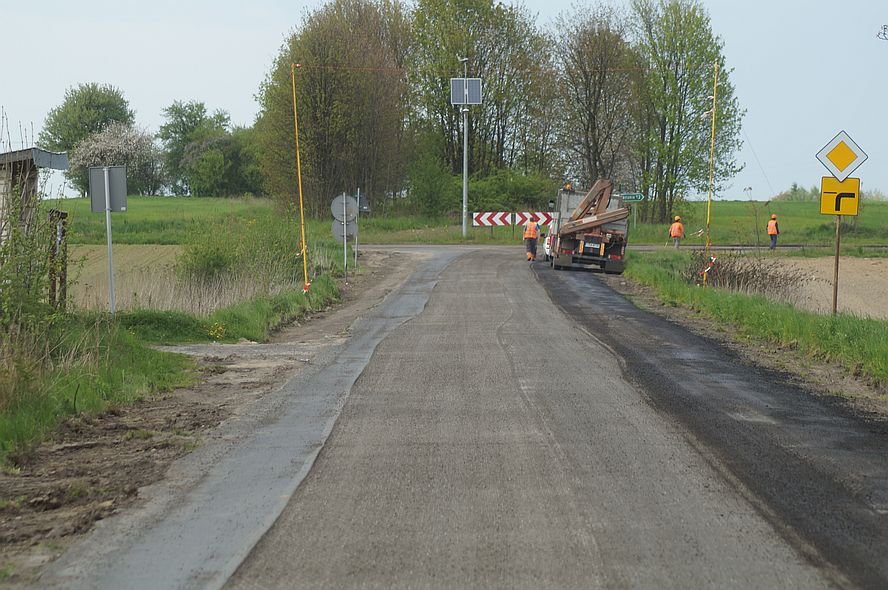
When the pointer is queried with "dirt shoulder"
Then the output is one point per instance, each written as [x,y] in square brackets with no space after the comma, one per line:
[94,466]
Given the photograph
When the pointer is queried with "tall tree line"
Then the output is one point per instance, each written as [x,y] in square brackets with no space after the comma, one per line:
[604,93]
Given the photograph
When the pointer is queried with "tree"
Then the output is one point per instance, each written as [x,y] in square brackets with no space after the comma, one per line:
[206,172]
[596,66]
[120,144]
[350,95]
[679,50]
[86,110]
[505,49]
[186,123]
[222,165]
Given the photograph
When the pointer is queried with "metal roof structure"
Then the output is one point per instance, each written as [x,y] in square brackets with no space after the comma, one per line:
[41,158]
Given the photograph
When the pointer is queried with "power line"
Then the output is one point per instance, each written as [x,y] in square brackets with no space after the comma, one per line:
[757,161]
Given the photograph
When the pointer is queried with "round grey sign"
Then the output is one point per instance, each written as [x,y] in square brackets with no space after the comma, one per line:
[346,206]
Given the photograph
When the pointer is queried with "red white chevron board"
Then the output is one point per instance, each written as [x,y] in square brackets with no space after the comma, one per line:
[491,218]
[541,217]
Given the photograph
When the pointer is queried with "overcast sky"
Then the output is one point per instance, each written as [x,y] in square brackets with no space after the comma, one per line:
[802,74]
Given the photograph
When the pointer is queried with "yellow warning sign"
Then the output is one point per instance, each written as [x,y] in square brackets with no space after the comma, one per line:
[839,197]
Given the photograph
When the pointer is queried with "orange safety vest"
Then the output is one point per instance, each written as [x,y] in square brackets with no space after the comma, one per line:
[677,230]
[772,228]
[531,230]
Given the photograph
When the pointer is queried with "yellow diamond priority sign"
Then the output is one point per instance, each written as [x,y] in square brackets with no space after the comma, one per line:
[839,197]
[841,156]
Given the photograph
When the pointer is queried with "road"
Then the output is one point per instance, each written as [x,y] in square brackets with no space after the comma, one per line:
[440,448]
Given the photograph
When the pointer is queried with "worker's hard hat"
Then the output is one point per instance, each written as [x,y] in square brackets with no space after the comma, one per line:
[773,217]
[677,218]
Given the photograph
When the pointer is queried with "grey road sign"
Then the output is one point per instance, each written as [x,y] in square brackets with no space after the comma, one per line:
[349,208]
[350,228]
[465,91]
[117,182]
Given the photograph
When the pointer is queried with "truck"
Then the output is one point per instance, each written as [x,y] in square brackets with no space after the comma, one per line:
[588,230]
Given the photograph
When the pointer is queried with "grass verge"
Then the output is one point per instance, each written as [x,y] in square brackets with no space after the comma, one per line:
[250,320]
[85,365]
[90,363]
[860,345]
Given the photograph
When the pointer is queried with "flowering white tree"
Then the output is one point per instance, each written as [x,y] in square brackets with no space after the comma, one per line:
[120,144]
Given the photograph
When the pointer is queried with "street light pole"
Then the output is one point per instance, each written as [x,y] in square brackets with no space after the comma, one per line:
[465,122]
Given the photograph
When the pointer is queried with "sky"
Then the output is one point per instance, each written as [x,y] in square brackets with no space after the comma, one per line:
[803,71]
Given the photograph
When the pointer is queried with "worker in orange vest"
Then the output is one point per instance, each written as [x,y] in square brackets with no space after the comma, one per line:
[773,231]
[531,235]
[676,231]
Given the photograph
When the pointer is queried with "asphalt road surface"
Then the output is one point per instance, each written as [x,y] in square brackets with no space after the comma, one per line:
[498,440]
[499,424]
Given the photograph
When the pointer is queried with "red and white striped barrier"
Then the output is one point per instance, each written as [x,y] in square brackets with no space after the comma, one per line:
[541,217]
[491,218]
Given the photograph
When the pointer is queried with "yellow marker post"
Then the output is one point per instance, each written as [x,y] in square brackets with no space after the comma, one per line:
[711,165]
[307,284]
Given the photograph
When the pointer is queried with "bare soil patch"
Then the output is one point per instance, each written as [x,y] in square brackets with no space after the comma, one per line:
[863,285]
[94,466]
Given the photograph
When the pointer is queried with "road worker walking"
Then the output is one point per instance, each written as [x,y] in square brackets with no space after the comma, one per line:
[773,232]
[676,231]
[531,235]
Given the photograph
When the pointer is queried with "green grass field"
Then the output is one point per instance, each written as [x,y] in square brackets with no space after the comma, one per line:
[736,222]
[158,220]
[175,220]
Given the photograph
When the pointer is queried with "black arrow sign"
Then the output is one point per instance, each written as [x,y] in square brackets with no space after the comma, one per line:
[839,197]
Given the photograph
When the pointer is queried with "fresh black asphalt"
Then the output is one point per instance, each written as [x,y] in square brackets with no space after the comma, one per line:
[817,469]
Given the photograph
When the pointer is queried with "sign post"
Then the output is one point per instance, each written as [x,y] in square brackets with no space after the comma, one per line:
[633,198]
[108,230]
[357,217]
[107,192]
[345,212]
[839,194]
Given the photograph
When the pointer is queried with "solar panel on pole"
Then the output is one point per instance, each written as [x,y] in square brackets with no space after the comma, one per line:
[457,91]
[474,90]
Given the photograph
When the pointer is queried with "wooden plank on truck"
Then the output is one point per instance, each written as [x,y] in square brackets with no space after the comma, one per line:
[592,199]
[591,221]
